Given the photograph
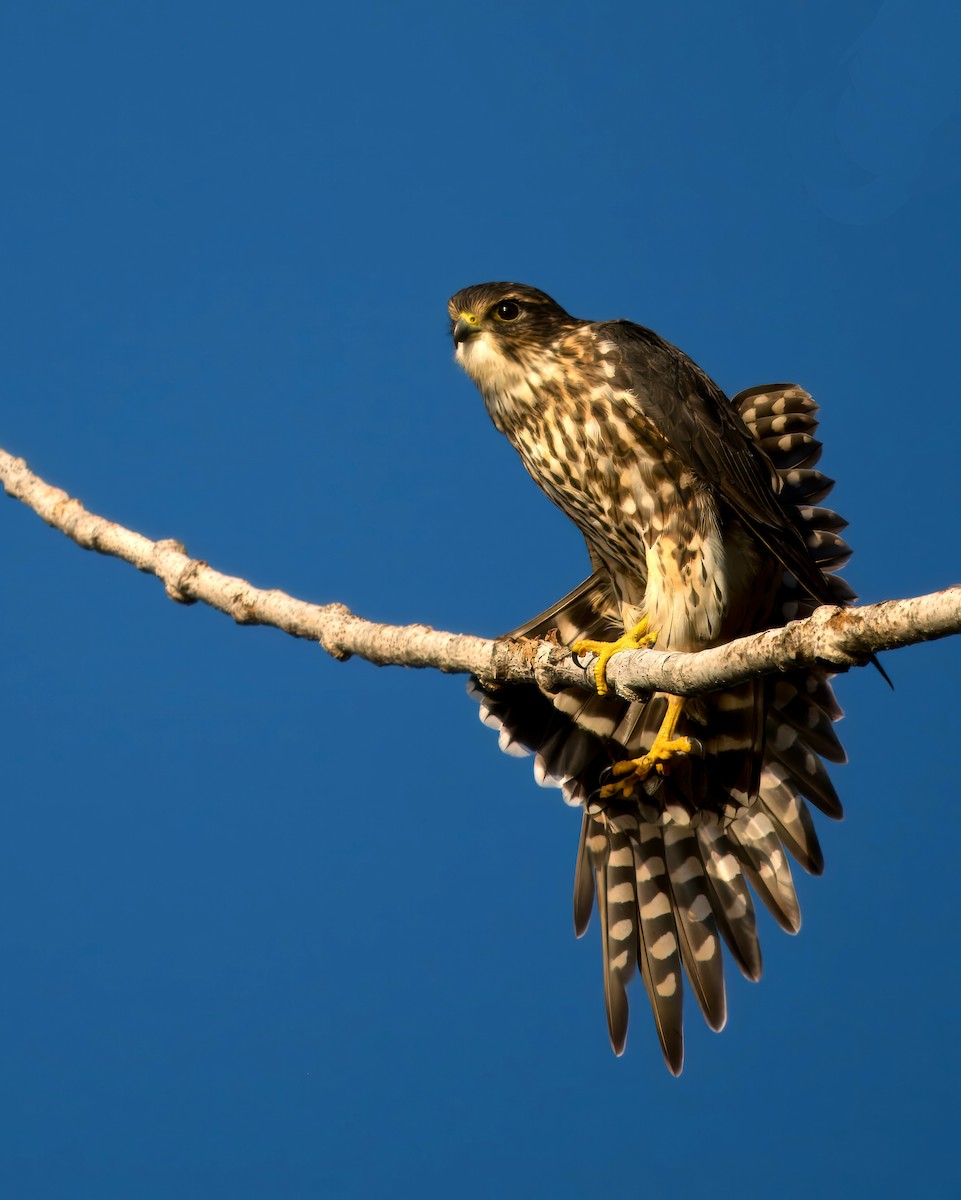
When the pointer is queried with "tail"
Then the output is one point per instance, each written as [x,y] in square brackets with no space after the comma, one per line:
[670,869]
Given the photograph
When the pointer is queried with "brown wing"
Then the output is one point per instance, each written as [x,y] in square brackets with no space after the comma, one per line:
[669,891]
[682,405]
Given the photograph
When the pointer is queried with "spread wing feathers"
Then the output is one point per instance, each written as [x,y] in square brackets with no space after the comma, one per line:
[672,869]
[766,866]
[697,927]
[731,898]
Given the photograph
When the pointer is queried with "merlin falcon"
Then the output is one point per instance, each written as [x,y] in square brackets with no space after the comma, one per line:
[702,521]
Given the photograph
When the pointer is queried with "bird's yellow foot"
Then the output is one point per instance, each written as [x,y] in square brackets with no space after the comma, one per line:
[632,771]
[638,638]
[635,770]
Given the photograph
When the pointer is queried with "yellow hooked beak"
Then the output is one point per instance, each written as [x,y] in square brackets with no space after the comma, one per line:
[466,326]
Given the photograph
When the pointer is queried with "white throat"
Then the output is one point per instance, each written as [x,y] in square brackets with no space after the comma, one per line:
[508,387]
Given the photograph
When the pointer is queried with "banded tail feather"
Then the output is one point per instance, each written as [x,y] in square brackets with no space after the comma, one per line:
[672,869]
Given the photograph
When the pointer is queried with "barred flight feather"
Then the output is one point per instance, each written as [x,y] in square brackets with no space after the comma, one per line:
[686,888]
[669,482]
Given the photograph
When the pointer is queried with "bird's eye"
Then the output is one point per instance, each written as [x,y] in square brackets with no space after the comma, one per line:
[507,310]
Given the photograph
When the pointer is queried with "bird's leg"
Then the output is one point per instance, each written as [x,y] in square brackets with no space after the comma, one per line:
[663,749]
[638,638]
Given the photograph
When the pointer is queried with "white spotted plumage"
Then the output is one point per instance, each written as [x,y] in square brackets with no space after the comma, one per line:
[703,515]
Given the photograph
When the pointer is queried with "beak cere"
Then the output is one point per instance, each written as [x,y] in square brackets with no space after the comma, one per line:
[465,327]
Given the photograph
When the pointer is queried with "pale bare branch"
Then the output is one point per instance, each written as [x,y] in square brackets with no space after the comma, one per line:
[839,637]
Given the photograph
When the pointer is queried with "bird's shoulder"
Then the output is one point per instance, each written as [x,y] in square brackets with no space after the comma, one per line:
[678,400]
[671,392]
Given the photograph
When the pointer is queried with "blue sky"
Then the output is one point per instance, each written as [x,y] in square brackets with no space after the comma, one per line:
[276,926]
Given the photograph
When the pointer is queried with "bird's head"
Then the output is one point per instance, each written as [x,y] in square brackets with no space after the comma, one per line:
[500,328]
